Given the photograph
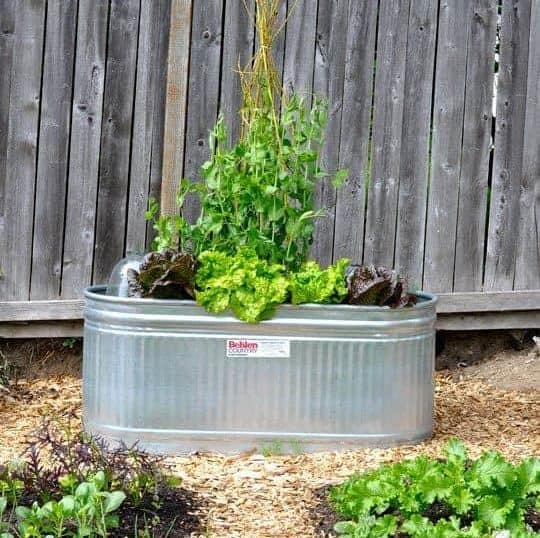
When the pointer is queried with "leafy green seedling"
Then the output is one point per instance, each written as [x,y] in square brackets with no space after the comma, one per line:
[449,498]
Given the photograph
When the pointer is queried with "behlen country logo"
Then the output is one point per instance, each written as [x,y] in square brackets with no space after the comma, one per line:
[244,347]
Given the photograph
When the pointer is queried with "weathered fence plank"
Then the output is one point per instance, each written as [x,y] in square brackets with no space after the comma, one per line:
[238,37]
[85,146]
[54,134]
[203,96]
[24,105]
[449,102]
[158,131]
[386,140]
[414,156]
[474,176]
[355,130]
[146,97]
[116,137]
[7,30]
[300,46]
[278,50]
[527,275]
[503,228]
[331,41]
[174,142]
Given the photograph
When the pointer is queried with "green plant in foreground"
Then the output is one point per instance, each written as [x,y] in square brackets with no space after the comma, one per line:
[450,498]
[47,481]
[87,511]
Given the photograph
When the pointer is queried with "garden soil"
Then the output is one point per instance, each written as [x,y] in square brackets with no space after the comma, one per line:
[271,495]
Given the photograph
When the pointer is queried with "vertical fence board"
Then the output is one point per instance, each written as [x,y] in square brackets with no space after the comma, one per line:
[85,146]
[387,125]
[177,82]
[158,132]
[506,182]
[143,125]
[203,95]
[7,30]
[278,50]
[473,185]
[527,275]
[449,102]
[300,47]
[355,130]
[414,157]
[328,83]
[53,148]
[146,104]
[24,105]
[238,39]
[116,137]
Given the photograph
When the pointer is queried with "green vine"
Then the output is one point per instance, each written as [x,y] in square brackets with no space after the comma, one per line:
[259,192]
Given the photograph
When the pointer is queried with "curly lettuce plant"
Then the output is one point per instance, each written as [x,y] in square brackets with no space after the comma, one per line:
[249,286]
[164,275]
[450,498]
[380,286]
[311,284]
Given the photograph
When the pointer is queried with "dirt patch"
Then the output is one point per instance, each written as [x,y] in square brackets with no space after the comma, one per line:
[322,514]
[519,371]
[35,358]
[177,517]
[509,360]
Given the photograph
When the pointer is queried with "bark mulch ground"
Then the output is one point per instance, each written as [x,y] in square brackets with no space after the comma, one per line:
[252,495]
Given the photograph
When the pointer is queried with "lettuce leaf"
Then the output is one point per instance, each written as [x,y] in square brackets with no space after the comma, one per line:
[379,286]
[247,285]
[164,275]
[311,284]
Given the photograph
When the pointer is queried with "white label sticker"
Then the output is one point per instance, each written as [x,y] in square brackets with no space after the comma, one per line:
[245,347]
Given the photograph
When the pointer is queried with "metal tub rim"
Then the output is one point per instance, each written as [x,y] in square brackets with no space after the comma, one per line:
[426,302]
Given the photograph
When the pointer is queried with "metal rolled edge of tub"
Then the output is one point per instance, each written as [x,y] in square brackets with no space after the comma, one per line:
[427,302]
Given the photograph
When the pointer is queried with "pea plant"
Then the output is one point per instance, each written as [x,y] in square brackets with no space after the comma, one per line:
[258,193]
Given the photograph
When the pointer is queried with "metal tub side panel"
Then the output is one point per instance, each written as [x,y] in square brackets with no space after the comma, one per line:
[176,391]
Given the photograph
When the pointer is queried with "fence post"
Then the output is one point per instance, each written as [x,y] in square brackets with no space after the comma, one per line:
[175,106]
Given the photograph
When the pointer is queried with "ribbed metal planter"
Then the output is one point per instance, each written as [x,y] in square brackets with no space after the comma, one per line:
[177,379]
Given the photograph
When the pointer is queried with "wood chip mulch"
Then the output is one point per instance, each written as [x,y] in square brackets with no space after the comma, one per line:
[250,495]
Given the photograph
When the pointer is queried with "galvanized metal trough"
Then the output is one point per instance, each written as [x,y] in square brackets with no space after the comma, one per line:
[176,379]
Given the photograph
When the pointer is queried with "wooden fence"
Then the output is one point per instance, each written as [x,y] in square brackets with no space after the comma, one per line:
[444,169]
[82,98]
